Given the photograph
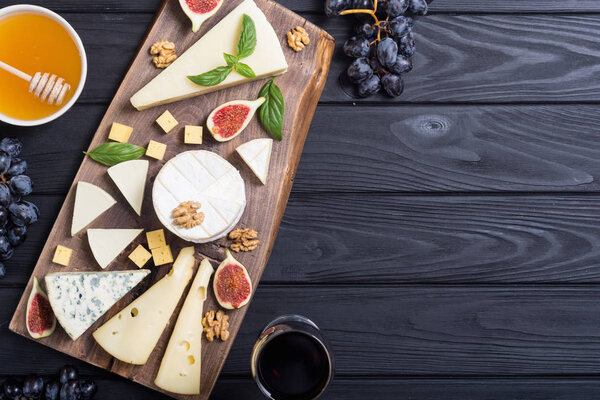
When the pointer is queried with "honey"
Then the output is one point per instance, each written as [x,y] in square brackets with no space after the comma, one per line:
[34,43]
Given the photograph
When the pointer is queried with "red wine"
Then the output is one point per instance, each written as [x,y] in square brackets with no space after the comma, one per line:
[293,366]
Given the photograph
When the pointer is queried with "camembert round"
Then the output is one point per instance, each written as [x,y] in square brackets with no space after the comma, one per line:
[204,177]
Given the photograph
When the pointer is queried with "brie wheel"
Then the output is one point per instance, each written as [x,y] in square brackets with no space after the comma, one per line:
[208,179]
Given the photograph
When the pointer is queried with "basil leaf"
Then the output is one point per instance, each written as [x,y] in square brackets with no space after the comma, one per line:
[272,110]
[244,70]
[113,153]
[247,42]
[212,77]
[230,60]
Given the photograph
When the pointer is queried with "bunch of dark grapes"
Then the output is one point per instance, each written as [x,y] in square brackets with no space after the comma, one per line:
[68,386]
[16,214]
[383,44]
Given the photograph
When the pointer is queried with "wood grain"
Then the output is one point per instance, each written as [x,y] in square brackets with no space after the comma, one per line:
[302,84]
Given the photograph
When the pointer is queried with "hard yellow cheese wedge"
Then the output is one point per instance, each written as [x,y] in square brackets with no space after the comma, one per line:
[132,334]
[181,365]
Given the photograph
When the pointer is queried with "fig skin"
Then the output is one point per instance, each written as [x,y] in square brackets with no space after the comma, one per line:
[230,304]
[37,291]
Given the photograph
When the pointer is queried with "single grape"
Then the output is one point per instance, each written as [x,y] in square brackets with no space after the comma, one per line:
[17,167]
[2,270]
[365,29]
[67,373]
[23,213]
[12,389]
[418,7]
[19,230]
[406,45]
[52,391]
[394,8]
[335,7]
[88,389]
[400,26]
[33,386]
[12,146]
[369,86]
[14,238]
[392,84]
[375,64]
[362,4]
[70,390]
[386,52]
[359,70]
[402,65]
[21,185]
[356,47]
[5,160]
[5,196]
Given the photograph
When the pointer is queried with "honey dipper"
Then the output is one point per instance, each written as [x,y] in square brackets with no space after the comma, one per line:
[48,87]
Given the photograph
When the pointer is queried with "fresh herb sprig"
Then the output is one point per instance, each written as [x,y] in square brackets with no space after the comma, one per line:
[114,153]
[245,47]
[271,112]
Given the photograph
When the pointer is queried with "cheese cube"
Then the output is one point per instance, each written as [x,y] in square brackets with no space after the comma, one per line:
[192,134]
[120,132]
[156,239]
[162,255]
[140,256]
[62,255]
[156,150]
[167,121]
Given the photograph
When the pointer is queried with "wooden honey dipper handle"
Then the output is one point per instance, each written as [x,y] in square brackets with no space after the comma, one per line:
[49,88]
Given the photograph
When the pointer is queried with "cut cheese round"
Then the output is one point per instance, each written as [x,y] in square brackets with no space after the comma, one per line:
[204,177]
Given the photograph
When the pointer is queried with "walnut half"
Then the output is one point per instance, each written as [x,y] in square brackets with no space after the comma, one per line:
[164,52]
[187,216]
[243,239]
[298,38]
[216,325]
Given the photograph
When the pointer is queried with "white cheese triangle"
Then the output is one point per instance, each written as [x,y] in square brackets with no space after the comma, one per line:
[79,299]
[257,154]
[90,203]
[207,53]
[107,244]
[130,178]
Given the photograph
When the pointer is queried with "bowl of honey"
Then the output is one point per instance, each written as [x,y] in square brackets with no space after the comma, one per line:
[36,40]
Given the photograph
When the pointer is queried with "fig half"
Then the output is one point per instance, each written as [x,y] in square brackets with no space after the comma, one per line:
[199,11]
[232,284]
[40,319]
[230,119]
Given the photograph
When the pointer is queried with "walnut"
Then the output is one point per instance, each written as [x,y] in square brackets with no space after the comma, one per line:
[164,52]
[216,325]
[298,38]
[243,240]
[187,216]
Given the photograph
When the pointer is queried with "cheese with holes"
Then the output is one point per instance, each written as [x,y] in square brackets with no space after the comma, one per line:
[140,256]
[208,179]
[90,203]
[79,299]
[257,154]
[107,244]
[207,54]
[156,239]
[130,178]
[132,334]
[180,367]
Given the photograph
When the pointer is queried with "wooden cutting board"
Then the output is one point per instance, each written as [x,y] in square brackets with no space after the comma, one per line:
[301,87]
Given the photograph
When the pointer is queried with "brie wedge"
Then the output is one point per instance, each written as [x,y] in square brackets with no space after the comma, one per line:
[90,203]
[257,154]
[79,299]
[207,54]
[204,177]
[130,178]
[107,244]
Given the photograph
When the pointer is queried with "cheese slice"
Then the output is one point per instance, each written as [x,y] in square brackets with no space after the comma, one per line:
[204,177]
[130,178]
[132,334]
[257,154]
[207,53]
[180,367]
[79,299]
[107,244]
[90,203]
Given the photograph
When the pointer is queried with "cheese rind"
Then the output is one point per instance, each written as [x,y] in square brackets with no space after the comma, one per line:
[132,334]
[79,299]
[90,203]
[130,178]
[207,53]
[107,244]
[257,155]
[180,368]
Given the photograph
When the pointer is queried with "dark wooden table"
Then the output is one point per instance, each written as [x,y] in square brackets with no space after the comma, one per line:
[447,242]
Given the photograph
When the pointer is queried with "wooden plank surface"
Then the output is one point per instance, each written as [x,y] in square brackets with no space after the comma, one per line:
[302,84]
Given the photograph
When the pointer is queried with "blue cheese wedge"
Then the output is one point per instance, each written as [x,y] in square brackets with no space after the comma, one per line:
[204,177]
[79,299]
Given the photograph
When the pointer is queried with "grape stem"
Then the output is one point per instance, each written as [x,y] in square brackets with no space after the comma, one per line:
[372,13]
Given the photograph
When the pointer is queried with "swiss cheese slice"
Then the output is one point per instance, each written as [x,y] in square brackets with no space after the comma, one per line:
[130,178]
[132,334]
[257,154]
[90,203]
[181,365]
[107,244]
[204,177]
[79,299]
[207,53]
